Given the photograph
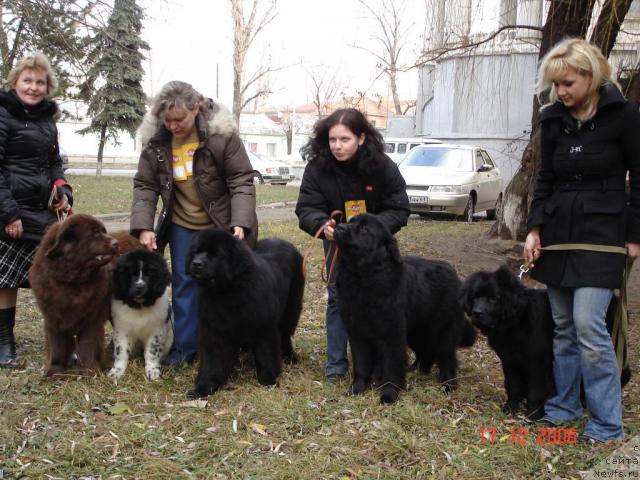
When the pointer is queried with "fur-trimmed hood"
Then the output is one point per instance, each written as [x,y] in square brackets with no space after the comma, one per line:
[213,119]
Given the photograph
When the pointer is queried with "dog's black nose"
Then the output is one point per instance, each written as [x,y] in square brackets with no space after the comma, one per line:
[196,267]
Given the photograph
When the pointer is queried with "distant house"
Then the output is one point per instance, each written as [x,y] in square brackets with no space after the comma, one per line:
[262,136]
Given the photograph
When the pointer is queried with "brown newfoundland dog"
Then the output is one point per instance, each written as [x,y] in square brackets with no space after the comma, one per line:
[70,278]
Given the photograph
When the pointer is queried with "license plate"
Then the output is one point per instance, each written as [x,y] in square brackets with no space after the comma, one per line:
[418,199]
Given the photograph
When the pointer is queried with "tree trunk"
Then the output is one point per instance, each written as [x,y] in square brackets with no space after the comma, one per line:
[608,25]
[394,92]
[103,140]
[566,18]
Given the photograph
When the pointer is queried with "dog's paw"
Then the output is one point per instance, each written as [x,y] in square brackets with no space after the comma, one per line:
[358,386]
[510,407]
[389,394]
[202,391]
[115,373]
[153,373]
[291,359]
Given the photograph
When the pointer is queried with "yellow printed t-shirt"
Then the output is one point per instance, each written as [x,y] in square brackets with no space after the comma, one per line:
[187,208]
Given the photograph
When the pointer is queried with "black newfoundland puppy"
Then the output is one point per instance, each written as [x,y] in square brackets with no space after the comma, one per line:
[389,302]
[519,327]
[246,299]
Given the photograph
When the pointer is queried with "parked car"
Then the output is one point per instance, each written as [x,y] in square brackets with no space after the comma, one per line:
[452,179]
[397,148]
[269,171]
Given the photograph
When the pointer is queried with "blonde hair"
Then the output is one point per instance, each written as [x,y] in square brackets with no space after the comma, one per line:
[37,61]
[582,56]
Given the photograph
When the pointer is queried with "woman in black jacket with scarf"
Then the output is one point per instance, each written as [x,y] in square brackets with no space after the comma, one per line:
[590,139]
[347,171]
[30,170]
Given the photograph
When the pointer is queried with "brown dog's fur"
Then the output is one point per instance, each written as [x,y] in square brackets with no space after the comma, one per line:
[70,278]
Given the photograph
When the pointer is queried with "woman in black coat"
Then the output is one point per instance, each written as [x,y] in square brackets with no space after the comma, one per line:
[589,141]
[347,171]
[30,171]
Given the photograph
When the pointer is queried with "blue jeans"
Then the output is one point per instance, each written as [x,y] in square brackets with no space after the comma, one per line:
[337,360]
[582,349]
[184,298]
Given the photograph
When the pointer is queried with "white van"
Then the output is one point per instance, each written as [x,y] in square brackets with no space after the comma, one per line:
[397,148]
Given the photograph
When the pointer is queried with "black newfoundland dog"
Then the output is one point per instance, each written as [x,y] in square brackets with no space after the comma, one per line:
[389,302]
[519,327]
[246,299]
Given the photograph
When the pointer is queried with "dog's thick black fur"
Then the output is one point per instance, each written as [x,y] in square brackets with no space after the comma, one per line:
[246,299]
[519,327]
[389,302]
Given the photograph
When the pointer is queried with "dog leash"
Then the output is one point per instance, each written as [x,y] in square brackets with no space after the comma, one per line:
[621,316]
[333,250]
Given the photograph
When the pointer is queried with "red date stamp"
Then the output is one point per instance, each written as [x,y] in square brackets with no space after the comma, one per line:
[523,436]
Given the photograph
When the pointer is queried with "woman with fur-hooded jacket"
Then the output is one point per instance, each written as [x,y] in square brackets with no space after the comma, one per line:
[194,160]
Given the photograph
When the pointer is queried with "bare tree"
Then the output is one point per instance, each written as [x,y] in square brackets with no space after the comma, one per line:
[245,30]
[325,86]
[389,21]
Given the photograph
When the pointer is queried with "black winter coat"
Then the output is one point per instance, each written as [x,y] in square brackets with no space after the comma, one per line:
[29,164]
[580,193]
[326,188]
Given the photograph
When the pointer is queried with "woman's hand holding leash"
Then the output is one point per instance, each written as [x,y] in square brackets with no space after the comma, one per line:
[14,229]
[633,249]
[532,247]
[329,227]
[148,240]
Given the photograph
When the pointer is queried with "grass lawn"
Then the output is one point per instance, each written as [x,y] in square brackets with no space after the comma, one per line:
[301,429]
[113,194]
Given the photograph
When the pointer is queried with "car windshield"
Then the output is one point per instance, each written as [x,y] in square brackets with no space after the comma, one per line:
[449,158]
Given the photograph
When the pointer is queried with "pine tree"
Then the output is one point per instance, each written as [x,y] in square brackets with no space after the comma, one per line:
[114,84]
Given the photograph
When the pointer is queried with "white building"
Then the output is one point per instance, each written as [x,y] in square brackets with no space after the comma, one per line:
[485,97]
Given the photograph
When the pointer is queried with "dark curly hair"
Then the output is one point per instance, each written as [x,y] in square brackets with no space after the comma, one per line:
[370,155]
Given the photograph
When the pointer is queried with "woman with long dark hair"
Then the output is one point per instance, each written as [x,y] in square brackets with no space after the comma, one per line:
[347,171]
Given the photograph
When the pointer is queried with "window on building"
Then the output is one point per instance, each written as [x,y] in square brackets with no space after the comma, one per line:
[271,150]
[253,147]
[402,148]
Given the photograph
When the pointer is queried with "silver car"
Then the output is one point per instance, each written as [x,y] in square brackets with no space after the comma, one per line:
[452,179]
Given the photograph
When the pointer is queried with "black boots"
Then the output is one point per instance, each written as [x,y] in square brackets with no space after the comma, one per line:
[7,340]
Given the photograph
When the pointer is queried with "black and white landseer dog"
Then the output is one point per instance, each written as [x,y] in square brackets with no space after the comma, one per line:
[141,311]
[247,299]
[389,302]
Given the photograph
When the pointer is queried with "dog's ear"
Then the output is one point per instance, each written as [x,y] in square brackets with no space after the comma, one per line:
[465,295]
[506,279]
[394,250]
[193,248]
[61,238]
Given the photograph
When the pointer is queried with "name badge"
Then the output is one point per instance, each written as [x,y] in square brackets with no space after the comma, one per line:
[354,207]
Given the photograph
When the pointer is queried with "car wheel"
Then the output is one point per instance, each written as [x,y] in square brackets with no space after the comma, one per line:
[257,178]
[491,214]
[469,210]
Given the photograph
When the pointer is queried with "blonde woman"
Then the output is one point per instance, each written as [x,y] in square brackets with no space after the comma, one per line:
[30,168]
[589,140]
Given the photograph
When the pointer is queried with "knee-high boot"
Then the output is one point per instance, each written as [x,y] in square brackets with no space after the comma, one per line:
[7,340]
